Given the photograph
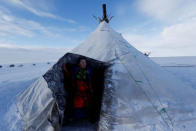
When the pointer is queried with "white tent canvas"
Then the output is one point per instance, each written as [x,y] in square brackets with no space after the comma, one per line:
[138,94]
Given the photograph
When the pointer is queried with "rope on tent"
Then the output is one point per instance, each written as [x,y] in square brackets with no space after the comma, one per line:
[149,83]
[163,109]
[130,74]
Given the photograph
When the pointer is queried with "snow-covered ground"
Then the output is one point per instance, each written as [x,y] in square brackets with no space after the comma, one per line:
[13,80]
[182,67]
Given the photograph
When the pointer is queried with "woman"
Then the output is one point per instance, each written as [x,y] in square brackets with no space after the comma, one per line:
[83,89]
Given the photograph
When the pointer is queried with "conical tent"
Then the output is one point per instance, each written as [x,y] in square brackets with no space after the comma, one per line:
[138,94]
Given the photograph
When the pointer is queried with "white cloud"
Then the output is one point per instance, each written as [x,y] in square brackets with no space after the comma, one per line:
[181,34]
[9,45]
[174,40]
[177,31]
[13,53]
[168,10]
[29,55]
[6,45]
[14,26]
[9,27]
[38,12]
[13,29]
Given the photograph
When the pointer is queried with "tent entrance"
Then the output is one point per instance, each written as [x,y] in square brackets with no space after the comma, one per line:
[93,113]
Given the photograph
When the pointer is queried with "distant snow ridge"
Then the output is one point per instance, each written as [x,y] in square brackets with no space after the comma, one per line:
[181,61]
[29,55]
[141,95]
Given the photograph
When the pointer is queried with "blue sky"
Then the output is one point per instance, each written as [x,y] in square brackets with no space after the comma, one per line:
[163,27]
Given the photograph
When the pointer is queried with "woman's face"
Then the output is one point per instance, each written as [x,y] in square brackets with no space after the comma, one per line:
[82,63]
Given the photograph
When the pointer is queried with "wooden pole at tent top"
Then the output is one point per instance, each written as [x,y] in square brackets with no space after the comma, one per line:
[105,17]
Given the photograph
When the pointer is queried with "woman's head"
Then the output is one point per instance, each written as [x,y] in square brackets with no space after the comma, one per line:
[82,63]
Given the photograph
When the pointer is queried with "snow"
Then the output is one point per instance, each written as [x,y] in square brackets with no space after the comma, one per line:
[13,81]
[26,72]
[140,107]
[176,61]
[183,68]
[17,76]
